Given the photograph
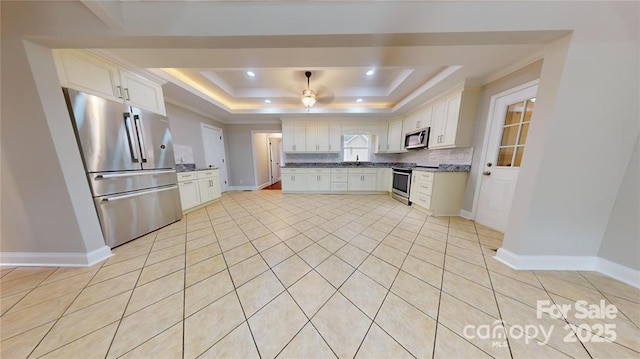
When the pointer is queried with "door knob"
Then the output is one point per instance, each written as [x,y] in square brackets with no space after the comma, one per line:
[486,173]
[489,164]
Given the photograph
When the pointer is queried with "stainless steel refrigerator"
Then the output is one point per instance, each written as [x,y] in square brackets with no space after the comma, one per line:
[128,157]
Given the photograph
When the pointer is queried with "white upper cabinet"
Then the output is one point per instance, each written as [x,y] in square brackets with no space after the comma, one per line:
[453,120]
[313,140]
[437,124]
[89,73]
[293,136]
[426,115]
[417,119]
[411,122]
[395,137]
[288,140]
[335,137]
[383,136]
[140,92]
[85,72]
[310,137]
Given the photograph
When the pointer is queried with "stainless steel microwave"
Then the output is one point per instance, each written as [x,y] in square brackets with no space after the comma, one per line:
[417,139]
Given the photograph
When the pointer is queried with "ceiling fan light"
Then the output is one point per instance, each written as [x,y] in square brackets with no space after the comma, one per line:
[308,97]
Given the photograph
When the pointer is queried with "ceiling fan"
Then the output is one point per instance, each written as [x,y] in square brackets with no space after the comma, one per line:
[310,97]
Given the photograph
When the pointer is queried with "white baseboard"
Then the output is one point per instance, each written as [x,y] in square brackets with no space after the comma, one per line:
[580,263]
[618,271]
[263,186]
[466,214]
[242,188]
[54,259]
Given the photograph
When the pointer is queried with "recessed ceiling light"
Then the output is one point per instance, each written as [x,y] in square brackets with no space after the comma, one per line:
[359,100]
[251,74]
[370,72]
[267,101]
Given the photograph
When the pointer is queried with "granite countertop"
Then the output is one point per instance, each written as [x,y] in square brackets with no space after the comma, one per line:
[440,168]
[347,164]
[191,167]
[444,168]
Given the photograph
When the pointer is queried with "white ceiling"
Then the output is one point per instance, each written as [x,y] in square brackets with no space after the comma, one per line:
[208,73]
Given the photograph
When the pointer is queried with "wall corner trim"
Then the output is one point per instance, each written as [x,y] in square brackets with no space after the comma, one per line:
[54,259]
[576,263]
[466,215]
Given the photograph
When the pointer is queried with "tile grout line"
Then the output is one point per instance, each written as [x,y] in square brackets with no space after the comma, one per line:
[337,291]
[495,298]
[235,290]
[564,318]
[328,299]
[446,245]
[373,320]
[184,286]
[129,300]
[606,296]
[62,315]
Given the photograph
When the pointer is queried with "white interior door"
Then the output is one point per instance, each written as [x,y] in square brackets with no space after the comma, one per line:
[214,153]
[509,126]
[275,146]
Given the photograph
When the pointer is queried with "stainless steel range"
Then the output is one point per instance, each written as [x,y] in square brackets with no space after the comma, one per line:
[401,184]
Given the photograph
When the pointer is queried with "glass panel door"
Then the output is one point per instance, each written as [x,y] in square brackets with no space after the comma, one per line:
[514,133]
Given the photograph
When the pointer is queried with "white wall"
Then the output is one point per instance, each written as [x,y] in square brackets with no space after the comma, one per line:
[240,153]
[581,139]
[261,158]
[186,130]
[586,114]
[523,75]
[621,243]
[48,215]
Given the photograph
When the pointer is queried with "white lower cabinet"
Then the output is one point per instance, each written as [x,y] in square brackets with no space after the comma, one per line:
[209,185]
[294,179]
[439,192]
[318,179]
[341,179]
[189,191]
[362,179]
[198,187]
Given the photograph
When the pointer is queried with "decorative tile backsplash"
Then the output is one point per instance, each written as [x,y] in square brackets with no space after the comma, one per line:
[456,156]
[425,157]
[311,157]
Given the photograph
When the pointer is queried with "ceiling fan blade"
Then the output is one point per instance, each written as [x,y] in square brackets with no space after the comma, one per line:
[325,95]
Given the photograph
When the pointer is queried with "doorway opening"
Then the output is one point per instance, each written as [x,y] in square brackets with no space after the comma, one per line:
[267,159]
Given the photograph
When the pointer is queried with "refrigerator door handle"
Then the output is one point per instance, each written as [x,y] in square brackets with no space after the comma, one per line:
[132,147]
[116,175]
[125,196]
[143,147]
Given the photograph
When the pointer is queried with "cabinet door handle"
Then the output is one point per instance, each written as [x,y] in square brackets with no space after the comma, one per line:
[126,91]
[119,91]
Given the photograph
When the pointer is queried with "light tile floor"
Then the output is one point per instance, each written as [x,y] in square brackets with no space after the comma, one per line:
[261,274]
